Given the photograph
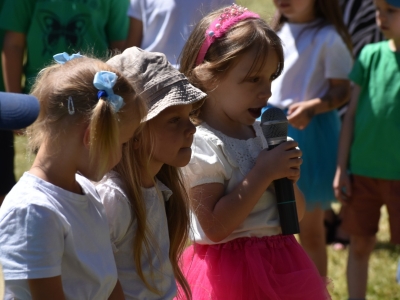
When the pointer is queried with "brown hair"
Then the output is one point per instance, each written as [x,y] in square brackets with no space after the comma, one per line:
[135,159]
[328,12]
[58,83]
[224,53]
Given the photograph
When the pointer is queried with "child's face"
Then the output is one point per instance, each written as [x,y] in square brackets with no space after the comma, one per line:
[297,11]
[239,98]
[388,19]
[173,136]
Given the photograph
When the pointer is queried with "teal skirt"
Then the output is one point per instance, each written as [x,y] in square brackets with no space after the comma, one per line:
[319,143]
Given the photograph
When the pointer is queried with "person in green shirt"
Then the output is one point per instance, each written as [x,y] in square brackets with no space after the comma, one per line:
[41,28]
[368,168]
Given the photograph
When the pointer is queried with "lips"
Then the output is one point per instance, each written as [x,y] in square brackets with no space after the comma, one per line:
[255,112]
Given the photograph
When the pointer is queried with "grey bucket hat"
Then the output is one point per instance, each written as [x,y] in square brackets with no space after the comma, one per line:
[155,80]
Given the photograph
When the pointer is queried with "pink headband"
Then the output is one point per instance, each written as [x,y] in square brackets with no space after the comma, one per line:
[231,15]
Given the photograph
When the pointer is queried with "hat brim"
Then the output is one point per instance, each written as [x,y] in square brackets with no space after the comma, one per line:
[180,93]
[17,111]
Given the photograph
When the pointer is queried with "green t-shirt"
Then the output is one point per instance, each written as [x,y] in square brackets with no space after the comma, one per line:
[55,26]
[375,151]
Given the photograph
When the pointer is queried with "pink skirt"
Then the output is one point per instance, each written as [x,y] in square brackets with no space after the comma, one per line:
[274,268]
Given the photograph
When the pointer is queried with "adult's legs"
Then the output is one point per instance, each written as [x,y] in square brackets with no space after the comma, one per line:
[360,250]
[312,238]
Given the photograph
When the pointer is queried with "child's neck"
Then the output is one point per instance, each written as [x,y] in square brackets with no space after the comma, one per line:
[303,18]
[147,176]
[394,45]
[56,167]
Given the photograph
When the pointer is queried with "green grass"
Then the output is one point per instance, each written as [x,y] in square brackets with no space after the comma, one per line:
[384,259]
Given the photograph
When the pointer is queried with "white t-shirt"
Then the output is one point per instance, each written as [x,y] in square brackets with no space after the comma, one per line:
[167,24]
[122,230]
[217,158]
[312,57]
[46,231]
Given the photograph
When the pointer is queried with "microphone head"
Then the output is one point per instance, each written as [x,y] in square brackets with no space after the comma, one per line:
[274,123]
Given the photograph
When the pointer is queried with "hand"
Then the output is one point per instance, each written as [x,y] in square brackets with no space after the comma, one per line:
[342,186]
[300,114]
[280,162]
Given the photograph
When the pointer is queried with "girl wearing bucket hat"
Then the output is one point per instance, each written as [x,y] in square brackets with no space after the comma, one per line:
[144,196]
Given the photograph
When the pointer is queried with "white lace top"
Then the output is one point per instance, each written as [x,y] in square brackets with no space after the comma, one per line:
[217,158]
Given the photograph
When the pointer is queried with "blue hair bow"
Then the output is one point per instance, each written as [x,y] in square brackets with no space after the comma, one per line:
[104,81]
[62,58]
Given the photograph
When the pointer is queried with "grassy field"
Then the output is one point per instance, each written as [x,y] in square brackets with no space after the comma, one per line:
[384,259]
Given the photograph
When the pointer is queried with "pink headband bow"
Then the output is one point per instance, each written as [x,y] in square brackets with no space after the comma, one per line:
[231,15]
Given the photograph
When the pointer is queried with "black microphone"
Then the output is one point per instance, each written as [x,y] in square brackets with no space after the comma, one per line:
[274,125]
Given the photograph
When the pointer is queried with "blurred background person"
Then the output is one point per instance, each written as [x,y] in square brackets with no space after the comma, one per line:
[164,25]
[38,29]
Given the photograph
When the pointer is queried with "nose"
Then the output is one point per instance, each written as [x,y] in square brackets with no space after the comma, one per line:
[190,128]
[265,92]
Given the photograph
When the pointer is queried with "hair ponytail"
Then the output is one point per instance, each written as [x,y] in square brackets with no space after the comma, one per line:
[104,133]
[68,98]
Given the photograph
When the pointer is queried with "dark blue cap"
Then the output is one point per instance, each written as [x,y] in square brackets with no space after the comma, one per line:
[17,111]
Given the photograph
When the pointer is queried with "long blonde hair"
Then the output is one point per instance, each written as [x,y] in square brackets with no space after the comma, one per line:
[224,53]
[136,156]
[57,86]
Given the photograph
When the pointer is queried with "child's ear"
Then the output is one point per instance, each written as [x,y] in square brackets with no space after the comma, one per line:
[86,137]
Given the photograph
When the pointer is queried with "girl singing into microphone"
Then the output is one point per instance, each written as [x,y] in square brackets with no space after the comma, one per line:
[238,251]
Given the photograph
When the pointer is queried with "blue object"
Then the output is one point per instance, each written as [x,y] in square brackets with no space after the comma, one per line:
[104,81]
[398,273]
[17,111]
[62,58]
[395,3]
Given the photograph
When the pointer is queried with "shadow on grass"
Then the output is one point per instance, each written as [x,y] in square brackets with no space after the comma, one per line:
[387,246]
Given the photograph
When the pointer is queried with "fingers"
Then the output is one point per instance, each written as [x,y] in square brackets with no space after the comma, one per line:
[292,108]
[342,190]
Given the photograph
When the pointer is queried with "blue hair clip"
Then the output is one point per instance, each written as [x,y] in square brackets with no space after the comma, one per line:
[62,58]
[104,81]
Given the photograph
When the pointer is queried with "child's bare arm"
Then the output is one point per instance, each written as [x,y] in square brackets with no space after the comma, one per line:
[300,114]
[46,288]
[135,33]
[12,59]
[341,183]
[219,214]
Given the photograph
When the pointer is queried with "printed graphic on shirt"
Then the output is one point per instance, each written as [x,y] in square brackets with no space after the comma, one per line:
[55,31]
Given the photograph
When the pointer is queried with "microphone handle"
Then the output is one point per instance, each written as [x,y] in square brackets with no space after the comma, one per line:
[286,205]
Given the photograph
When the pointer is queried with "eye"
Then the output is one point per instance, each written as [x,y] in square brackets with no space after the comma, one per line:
[174,120]
[254,79]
